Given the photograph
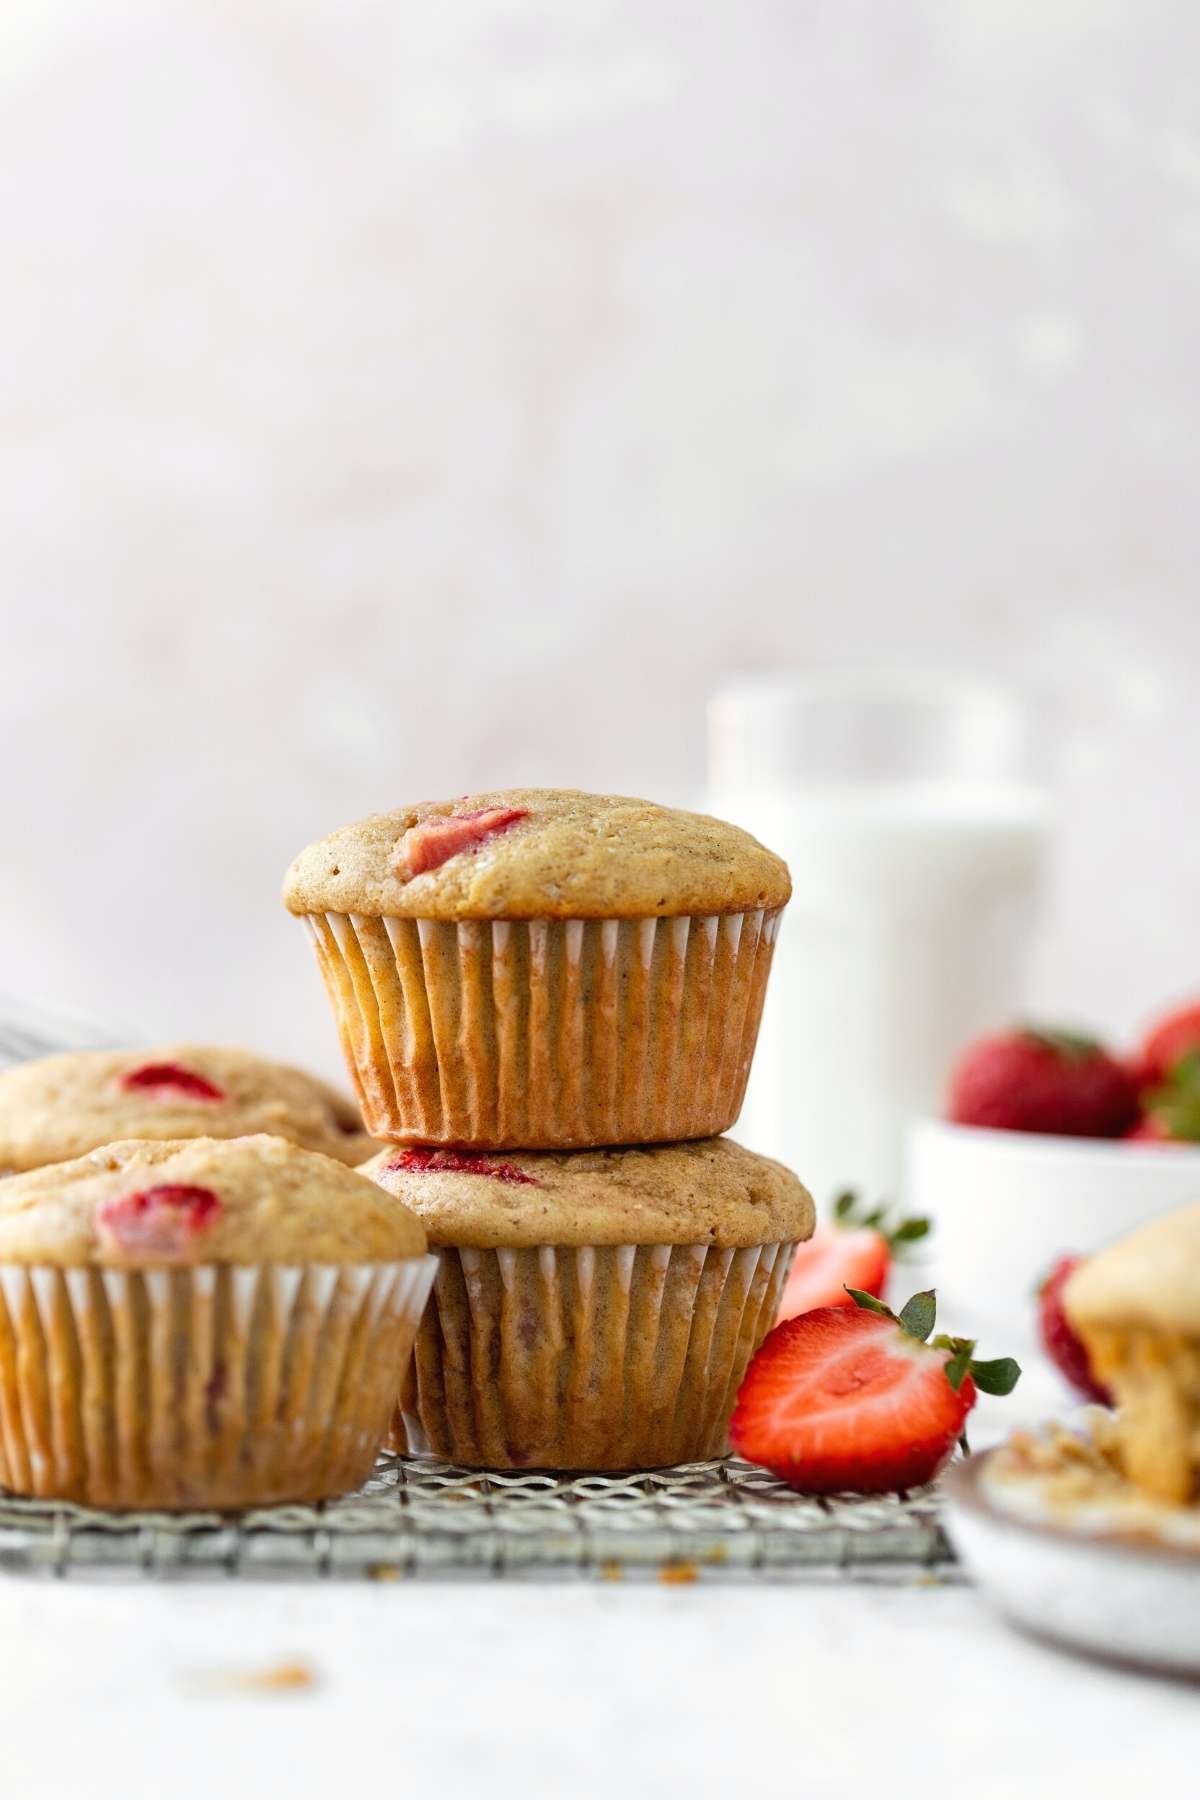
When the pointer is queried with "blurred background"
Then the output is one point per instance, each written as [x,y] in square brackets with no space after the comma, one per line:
[399,401]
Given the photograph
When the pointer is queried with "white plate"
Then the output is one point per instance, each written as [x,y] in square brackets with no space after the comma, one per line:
[1007,1204]
[1111,1596]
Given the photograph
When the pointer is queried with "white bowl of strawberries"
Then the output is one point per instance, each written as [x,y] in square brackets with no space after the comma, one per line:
[1053,1145]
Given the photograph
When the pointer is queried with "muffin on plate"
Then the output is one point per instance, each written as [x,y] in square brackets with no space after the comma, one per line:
[63,1106]
[594,1310]
[543,968]
[204,1323]
[1136,1306]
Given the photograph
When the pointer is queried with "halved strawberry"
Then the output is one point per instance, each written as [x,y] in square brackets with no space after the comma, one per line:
[853,1250]
[434,841]
[159,1223]
[171,1078]
[855,1400]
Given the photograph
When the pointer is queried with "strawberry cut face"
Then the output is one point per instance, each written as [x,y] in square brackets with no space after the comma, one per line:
[434,841]
[459,1162]
[840,1401]
[161,1223]
[171,1081]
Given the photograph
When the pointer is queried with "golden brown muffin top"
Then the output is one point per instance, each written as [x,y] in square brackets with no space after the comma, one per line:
[534,853]
[201,1200]
[63,1106]
[1151,1278]
[707,1192]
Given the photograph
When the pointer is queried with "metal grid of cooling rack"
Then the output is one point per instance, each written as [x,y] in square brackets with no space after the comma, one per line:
[421,1518]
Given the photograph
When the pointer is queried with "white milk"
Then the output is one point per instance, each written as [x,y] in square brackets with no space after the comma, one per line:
[906,936]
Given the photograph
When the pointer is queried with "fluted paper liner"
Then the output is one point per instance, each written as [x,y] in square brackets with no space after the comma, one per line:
[205,1386]
[621,1357]
[547,1033]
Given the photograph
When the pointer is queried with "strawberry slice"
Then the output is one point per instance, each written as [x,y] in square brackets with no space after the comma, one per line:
[853,1250]
[1058,1337]
[434,841]
[160,1223]
[855,1400]
[171,1078]
[460,1162]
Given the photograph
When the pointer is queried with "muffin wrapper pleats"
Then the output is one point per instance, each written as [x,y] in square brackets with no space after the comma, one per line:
[547,1033]
[205,1386]
[620,1357]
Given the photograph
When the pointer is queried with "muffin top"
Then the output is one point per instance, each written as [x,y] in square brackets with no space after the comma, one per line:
[708,1192]
[535,853]
[201,1200]
[62,1106]
[1151,1278]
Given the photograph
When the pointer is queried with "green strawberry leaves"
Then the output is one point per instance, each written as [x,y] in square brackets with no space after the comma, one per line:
[999,1376]
[917,1317]
[1071,1046]
[869,1303]
[1176,1103]
[848,1212]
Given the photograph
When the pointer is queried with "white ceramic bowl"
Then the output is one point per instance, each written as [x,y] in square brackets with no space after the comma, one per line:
[1135,1602]
[1006,1205]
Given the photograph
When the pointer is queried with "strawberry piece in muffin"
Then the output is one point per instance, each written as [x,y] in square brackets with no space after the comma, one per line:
[434,841]
[158,1221]
[172,1079]
[460,1162]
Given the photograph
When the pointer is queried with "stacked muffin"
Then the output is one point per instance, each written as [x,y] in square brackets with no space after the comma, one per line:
[529,984]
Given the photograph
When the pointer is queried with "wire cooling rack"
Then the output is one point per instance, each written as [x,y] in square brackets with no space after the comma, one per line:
[421,1518]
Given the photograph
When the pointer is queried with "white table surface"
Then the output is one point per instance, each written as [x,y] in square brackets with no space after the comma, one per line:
[564,1690]
[569,1689]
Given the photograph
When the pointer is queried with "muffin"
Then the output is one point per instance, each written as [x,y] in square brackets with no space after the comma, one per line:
[594,1310]
[204,1323]
[543,968]
[64,1106]
[1136,1306]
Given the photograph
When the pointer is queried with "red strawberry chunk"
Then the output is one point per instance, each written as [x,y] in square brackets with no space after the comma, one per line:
[460,1162]
[171,1078]
[841,1401]
[434,841]
[160,1223]
[832,1260]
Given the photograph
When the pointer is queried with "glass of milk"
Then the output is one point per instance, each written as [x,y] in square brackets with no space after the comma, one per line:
[906,808]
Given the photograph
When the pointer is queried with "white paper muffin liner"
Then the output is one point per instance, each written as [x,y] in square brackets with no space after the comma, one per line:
[205,1386]
[547,1033]
[620,1357]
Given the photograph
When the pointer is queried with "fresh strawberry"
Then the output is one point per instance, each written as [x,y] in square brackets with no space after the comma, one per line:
[855,1400]
[434,841]
[160,1223]
[854,1249]
[1172,1109]
[171,1079]
[1058,1336]
[1049,1081]
[459,1162]
[1166,1044]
